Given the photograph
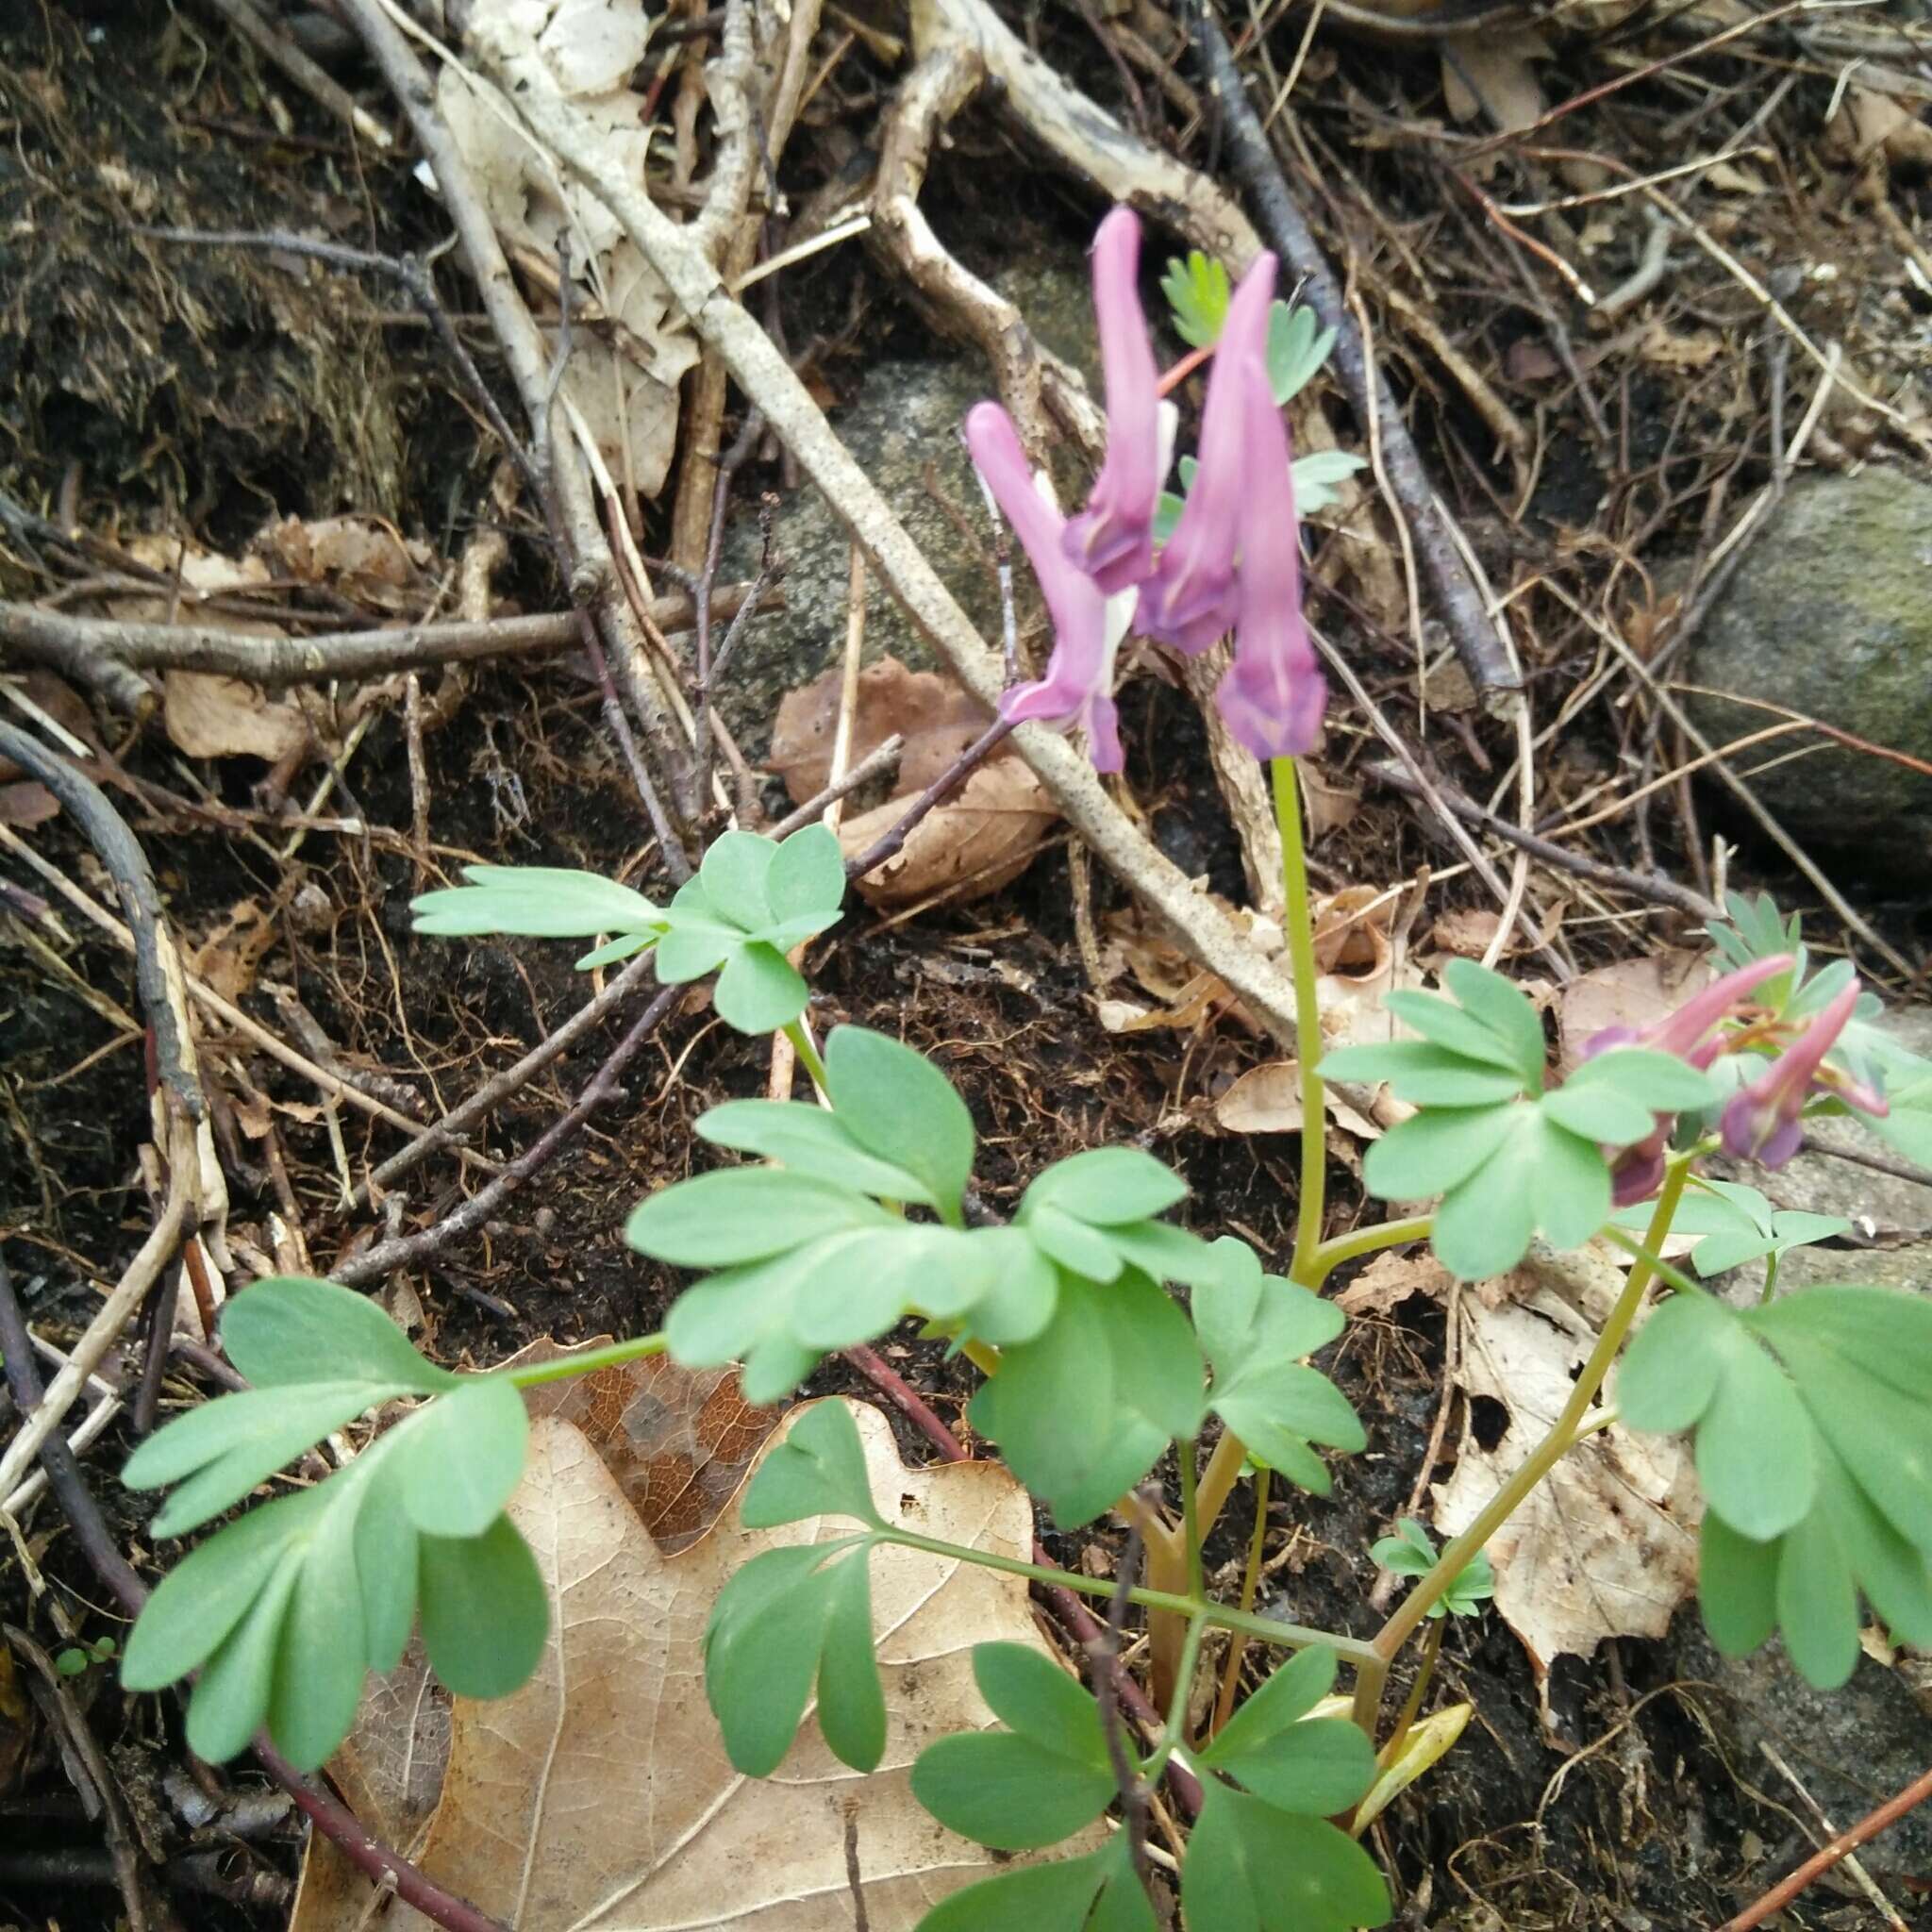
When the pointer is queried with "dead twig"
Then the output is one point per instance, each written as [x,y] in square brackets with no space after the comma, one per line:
[278,48]
[405,1250]
[108,653]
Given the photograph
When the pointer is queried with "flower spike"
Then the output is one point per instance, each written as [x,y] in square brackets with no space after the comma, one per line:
[1078,685]
[1689,1031]
[1113,537]
[1191,600]
[1274,696]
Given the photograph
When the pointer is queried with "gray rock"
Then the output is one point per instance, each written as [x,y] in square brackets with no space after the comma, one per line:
[903,427]
[1831,615]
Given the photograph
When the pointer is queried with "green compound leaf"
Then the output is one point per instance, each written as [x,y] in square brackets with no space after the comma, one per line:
[1410,1552]
[1297,347]
[1537,1177]
[1097,1893]
[745,1214]
[536,902]
[1272,1747]
[900,1108]
[1317,474]
[1815,1451]
[1738,1225]
[1083,1413]
[1040,1780]
[1254,1868]
[284,1610]
[759,989]
[817,1470]
[1256,1330]
[787,1621]
[1197,295]
[1756,931]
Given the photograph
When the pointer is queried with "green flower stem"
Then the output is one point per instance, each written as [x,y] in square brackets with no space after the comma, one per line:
[1191,1522]
[1307,1018]
[1645,1252]
[1174,1737]
[1289,1636]
[1412,1703]
[1225,1466]
[808,1053]
[588,1363]
[1251,1583]
[1330,1254]
[1562,1434]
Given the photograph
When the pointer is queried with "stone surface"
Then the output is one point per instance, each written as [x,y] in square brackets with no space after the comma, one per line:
[1831,615]
[903,427]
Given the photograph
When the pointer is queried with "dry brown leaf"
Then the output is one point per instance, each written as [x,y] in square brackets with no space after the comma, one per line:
[360,556]
[1606,1545]
[1490,74]
[1331,808]
[61,703]
[676,1440]
[1871,121]
[1352,929]
[1692,349]
[1466,933]
[1268,1100]
[600,1797]
[212,717]
[229,957]
[936,717]
[1390,1279]
[1627,993]
[987,833]
[27,803]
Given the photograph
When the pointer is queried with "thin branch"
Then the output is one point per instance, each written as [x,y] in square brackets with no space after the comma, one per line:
[891,842]
[1105,1650]
[405,1250]
[279,49]
[880,758]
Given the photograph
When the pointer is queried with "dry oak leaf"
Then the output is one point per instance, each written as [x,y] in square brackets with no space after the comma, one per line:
[936,717]
[1390,1279]
[1627,993]
[1268,1100]
[213,716]
[983,838]
[599,1797]
[1606,1545]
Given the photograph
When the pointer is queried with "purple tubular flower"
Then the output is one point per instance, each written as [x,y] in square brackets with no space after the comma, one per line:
[1638,1171]
[1078,685]
[1191,600]
[1761,1121]
[1274,694]
[1686,1032]
[1112,539]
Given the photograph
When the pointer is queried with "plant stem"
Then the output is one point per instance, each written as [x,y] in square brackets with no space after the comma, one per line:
[1307,1018]
[1190,1524]
[1412,1703]
[1289,1636]
[588,1363]
[1175,1735]
[794,1030]
[1224,1465]
[1330,1254]
[983,1356]
[1251,1583]
[1544,1456]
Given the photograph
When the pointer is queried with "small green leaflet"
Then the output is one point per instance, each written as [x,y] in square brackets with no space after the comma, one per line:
[788,1620]
[817,1470]
[1314,1767]
[751,903]
[1197,294]
[542,902]
[1041,1779]
[1254,1868]
[1297,348]
[1083,1413]
[1257,1331]
[1097,1893]
[284,1610]
[1410,1553]
[1756,931]
[1315,477]
[1736,1223]
[1814,1451]
[900,1108]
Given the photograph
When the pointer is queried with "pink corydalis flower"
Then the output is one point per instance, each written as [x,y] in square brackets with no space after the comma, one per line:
[1191,599]
[1112,539]
[1274,696]
[1078,685]
[1689,1032]
[1763,1121]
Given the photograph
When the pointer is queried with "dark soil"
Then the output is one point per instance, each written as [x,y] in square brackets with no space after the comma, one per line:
[170,390]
